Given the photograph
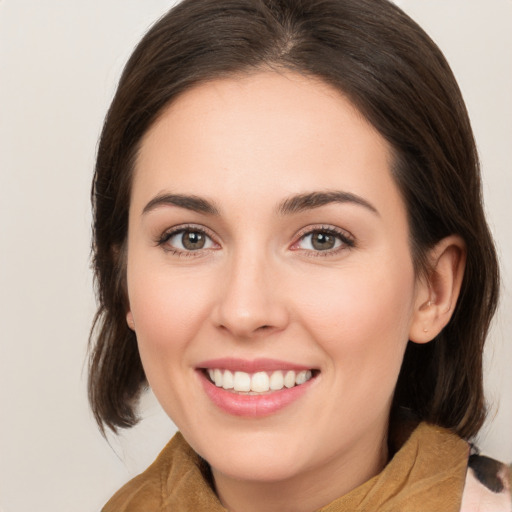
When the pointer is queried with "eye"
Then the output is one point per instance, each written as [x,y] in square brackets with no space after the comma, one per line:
[326,240]
[184,240]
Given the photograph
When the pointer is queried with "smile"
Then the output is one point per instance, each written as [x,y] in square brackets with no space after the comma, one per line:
[260,382]
[255,388]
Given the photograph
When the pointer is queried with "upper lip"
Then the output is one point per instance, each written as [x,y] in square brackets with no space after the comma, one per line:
[251,366]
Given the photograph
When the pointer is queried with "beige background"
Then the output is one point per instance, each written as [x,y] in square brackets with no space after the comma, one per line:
[59,62]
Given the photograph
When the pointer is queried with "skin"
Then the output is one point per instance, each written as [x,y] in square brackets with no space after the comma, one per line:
[260,289]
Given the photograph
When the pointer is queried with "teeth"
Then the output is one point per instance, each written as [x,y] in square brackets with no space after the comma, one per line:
[228,381]
[302,377]
[289,379]
[260,382]
[276,381]
[241,381]
[217,378]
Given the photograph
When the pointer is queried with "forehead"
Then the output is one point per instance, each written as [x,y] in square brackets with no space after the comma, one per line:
[263,134]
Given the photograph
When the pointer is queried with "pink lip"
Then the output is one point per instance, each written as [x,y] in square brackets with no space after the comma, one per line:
[256,365]
[251,406]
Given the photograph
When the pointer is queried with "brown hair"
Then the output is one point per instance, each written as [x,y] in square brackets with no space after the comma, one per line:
[398,78]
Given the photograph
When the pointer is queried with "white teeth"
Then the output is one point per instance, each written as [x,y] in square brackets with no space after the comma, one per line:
[276,381]
[259,382]
[289,379]
[228,380]
[241,381]
[301,378]
[217,377]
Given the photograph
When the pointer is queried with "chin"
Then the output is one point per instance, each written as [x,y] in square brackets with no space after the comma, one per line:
[260,456]
[256,469]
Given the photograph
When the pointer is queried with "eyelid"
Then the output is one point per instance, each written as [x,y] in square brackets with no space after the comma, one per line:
[347,239]
[167,234]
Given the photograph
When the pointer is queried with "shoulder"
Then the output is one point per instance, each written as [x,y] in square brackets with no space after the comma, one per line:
[147,490]
[178,480]
[487,487]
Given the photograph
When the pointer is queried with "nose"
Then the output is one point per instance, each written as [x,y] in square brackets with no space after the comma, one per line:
[250,299]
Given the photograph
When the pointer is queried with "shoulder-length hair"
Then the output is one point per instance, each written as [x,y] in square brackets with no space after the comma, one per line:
[399,80]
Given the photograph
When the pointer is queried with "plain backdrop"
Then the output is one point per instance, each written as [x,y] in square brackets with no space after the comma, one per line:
[59,63]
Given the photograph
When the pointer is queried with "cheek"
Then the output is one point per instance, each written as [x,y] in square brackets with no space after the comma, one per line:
[168,310]
[361,320]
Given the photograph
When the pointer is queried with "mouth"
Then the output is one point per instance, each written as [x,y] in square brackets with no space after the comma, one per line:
[259,382]
[257,388]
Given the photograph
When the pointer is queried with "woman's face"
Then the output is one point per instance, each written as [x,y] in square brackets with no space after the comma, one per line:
[268,245]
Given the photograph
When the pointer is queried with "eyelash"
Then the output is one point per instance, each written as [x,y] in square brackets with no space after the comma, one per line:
[347,241]
[191,228]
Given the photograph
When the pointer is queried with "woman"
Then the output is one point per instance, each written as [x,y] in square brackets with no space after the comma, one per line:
[291,250]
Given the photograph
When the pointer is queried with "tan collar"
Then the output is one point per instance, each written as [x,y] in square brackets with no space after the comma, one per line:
[426,474]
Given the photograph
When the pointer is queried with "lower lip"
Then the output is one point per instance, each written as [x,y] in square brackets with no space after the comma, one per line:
[252,406]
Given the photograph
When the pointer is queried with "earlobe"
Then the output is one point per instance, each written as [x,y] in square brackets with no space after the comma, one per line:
[129,320]
[439,289]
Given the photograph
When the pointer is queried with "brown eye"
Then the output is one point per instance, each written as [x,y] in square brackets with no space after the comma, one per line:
[327,240]
[193,240]
[187,240]
[322,241]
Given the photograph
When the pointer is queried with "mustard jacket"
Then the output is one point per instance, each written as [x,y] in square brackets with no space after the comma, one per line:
[434,470]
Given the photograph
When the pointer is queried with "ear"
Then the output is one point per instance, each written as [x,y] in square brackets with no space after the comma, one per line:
[129,320]
[438,290]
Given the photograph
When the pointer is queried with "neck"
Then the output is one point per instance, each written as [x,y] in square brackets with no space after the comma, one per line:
[307,491]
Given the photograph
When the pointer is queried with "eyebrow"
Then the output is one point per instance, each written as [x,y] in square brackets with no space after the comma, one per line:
[289,206]
[193,203]
[312,200]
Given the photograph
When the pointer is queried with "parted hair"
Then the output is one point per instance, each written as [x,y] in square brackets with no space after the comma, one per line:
[399,80]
